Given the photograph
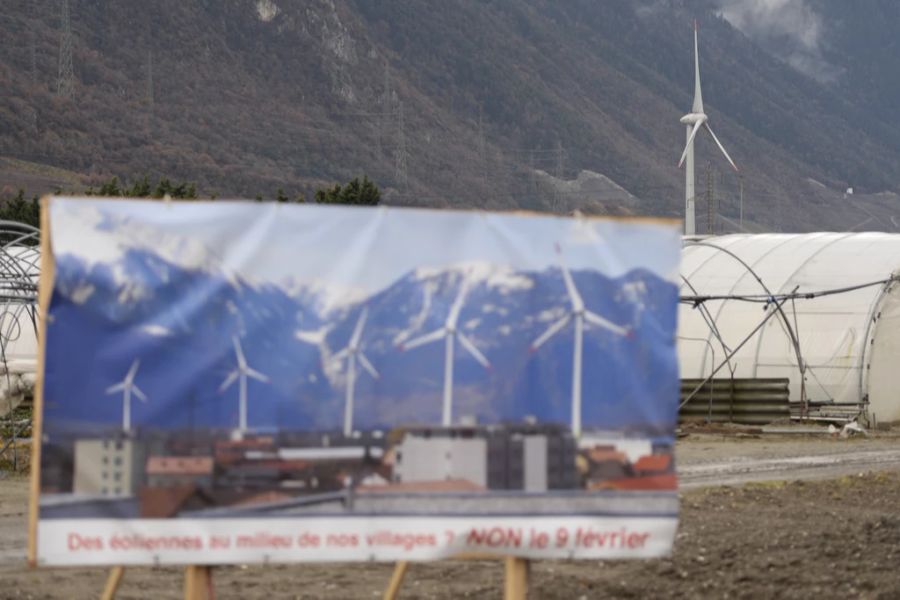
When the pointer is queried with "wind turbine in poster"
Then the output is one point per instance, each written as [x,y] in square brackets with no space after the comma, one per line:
[128,387]
[353,352]
[240,374]
[450,333]
[580,316]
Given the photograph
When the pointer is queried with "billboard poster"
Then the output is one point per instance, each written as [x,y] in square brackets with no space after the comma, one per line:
[230,382]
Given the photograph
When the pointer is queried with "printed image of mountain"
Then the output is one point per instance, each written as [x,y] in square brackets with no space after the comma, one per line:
[176,310]
[180,324]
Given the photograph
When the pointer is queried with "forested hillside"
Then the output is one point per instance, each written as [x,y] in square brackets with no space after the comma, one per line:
[534,104]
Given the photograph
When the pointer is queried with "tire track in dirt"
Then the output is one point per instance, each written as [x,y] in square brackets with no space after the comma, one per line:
[738,470]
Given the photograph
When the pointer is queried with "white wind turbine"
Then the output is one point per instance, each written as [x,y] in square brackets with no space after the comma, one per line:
[450,333]
[352,352]
[693,121]
[128,387]
[240,374]
[579,314]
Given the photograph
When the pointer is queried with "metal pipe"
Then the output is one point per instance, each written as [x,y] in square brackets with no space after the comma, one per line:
[733,352]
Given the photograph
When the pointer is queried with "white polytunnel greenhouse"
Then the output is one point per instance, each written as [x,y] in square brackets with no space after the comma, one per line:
[19,274]
[820,309]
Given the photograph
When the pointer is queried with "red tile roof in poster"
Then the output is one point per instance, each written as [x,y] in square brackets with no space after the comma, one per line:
[164,502]
[665,481]
[653,462]
[263,498]
[600,454]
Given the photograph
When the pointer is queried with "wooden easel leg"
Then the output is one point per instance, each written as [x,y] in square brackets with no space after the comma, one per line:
[112,583]
[396,580]
[516,581]
[197,583]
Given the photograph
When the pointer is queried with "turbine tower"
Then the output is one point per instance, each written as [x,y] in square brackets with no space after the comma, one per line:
[240,374]
[450,333]
[352,352]
[693,121]
[581,316]
[128,387]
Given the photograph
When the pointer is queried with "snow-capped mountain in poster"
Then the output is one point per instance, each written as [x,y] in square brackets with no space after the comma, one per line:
[370,318]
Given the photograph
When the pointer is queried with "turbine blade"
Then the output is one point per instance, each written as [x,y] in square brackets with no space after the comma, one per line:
[367,365]
[116,388]
[250,372]
[595,319]
[453,315]
[721,147]
[357,331]
[340,355]
[468,345]
[137,392]
[551,331]
[689,142]
[574,296]
[232,377]
[238,351]
[425,339]
[133,370]
[697,107]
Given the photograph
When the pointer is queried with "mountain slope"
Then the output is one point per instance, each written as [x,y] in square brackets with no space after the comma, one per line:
[244,96]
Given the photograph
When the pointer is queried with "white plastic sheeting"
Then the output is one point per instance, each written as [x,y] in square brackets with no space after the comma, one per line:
[850,341]
[19,272]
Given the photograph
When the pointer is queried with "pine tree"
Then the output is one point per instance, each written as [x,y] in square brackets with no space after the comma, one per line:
[358,192]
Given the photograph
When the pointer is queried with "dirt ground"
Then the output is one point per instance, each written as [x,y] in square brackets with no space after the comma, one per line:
[832,536]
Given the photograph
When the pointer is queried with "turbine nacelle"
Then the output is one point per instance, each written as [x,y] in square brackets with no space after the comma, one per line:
[693,118]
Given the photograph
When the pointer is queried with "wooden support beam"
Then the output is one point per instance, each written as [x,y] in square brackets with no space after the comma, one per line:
[45,290]
[112,583]
[393,589]
[197,583]
[515,586]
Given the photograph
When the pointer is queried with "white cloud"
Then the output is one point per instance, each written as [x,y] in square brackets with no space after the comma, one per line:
[158,330]
[792,29]
[81,293]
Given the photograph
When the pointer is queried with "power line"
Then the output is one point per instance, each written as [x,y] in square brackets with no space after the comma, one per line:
[533,172]
[65,81]
[710,200]
[400,172]
[32,55]
[384,117]
[482,151]
[557,200]
[150,90]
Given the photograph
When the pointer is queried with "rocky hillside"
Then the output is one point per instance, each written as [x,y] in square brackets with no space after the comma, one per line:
[534,104]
